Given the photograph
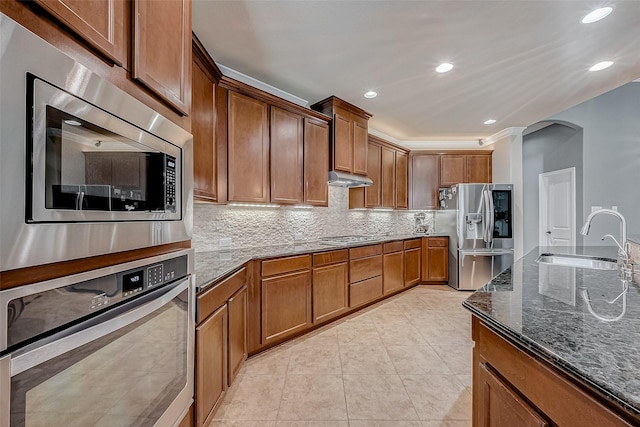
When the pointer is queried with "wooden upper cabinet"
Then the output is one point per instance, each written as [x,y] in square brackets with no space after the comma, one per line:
[388,178]
[360,146]
[424,181]
[162,49]
[286,157]
[248,149]
[100,23]
[453,169]
[372,193]
[350,130]
[479,168]
[342,143]
[203,127]
[316,162]
[402,189]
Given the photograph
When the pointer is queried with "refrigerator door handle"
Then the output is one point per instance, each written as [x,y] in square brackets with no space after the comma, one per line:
[491,218]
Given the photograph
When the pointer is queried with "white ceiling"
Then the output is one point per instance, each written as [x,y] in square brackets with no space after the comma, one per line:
[515,61]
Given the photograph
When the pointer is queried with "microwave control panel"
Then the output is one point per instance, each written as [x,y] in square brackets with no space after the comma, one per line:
[170,196]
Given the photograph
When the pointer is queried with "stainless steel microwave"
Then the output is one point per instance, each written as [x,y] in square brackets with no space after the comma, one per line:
[85,168]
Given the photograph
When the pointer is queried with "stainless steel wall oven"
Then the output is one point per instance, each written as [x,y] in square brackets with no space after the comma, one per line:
[108,347]
[85,168]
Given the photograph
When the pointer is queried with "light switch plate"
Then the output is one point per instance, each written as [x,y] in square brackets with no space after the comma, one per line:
[225,243]
[298,237]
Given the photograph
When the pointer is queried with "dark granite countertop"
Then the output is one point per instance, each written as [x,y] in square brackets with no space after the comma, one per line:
[541,309]
[211,266]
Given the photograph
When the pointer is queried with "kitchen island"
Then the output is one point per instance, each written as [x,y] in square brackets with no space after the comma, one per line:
[544,357]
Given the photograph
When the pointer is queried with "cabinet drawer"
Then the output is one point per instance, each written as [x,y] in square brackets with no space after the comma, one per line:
[365,268]
[412,244]
[365,291]
[364,251]
[333,257]
[211,299]
[285,265]
[393,247]
[438,241]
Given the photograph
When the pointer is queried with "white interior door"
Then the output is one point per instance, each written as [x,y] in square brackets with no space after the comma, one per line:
[557,226]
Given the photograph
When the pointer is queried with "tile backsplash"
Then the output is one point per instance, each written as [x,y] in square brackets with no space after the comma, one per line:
[261,226]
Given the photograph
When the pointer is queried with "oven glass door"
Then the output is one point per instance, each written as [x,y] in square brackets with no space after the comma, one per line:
[137,374]
[88,165]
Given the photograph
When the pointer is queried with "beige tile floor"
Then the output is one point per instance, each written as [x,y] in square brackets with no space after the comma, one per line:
[403,362]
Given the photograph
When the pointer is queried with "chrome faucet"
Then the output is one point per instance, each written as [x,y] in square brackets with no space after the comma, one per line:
[622,245]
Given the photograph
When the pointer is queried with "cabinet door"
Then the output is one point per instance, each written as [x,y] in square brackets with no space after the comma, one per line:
[372,193]
[342,142]
[478,169]
[203,125]
[286,305]
[100,23]
[438,264]
[286,157]
[316,162]
[162,49]
[424,182]
[330,291]
[360,147]
[402,188]
[248,150]
[411,266]
[392,272]
[237,307]
[453,169]
[388,177]
[500,406]
[211,364]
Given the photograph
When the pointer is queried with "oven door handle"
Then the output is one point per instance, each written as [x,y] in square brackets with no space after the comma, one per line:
[98,327]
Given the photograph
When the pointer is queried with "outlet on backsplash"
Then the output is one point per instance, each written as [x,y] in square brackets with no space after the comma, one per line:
[225,243]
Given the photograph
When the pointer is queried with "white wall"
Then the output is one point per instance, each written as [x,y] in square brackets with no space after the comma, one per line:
[507,169]
[252,227]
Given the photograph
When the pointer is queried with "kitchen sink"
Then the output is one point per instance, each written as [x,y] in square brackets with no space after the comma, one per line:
[579,261]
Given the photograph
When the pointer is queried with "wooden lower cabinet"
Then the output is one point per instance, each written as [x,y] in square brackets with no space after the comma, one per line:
[412,266]
[512,387]
[501,406]
[221,343]
[237,310]
[286,305]
[211,364]
[330,291]
[392,272]
[435,259]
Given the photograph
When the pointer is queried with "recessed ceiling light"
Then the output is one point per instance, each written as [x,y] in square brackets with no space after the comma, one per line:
[73,122]
[601,66]
[489,122]
[444,67]
[597,15]
[370,94]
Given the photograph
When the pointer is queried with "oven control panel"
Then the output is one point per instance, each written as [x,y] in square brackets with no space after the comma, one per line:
[152,276]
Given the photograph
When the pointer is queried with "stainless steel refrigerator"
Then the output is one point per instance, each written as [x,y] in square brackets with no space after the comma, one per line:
[478,220]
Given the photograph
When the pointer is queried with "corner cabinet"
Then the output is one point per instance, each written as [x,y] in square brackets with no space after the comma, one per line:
[285,289]
[350,129]
[208,126]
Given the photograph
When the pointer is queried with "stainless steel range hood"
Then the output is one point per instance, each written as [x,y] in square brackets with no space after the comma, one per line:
[341,179]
